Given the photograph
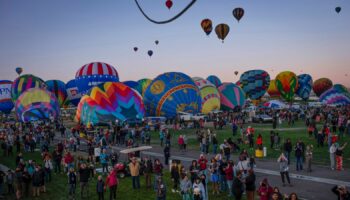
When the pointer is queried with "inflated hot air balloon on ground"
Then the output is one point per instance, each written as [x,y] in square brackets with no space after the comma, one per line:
[93,74]
[214,80]
[272,90]
[36,104]
[238,13]
[255,83]
[73,95]
[58,88]
[143,84]
[210,95]
[170,93]
[133,84]
[287,84]
[321,85]
[19,70]
[23,83]
[222,31]
[340,88]
[334,97]
[207,26]
[304,86]
[6,104]
[231,96]
[109,102]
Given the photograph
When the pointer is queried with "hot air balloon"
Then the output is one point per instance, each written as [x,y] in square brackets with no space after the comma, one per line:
[23,83]
[210,95]
[231,96]
[340,88]
[19,70]
[236,73]
[6,104]
[73,95]
[334,97]
[93,74]
[150,53]
[287,84]
[255,83]
[133,84]
[36,104]
[338,9]
[170,93]
[321,85]
[304,86]
[207,26]
[238,13]
[135,49]
[109,102]
[58,88]
[214,80]
[272,90]
[156,42]
[143,84]
[169,4]
[222,30]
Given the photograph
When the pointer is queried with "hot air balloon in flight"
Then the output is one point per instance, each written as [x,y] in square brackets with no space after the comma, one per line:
[338,9]
[19,70]
[169,4]
[210,95]
[171,93]
[214,80]
[287,84]
[207,26]
[231,96]
[156,42]
[221,31]
[143,84]
[23,83]
[321,85]
[150,53]
[73,95]
[58,88]
[36,104]
[304,86]
[236,73]
[6,104]
[238,13]
[135,49]
[255,83]
[93,74]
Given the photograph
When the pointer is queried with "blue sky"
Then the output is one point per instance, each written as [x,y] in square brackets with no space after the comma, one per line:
[53,39]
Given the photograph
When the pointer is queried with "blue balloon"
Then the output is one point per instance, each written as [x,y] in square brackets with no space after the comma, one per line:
[133,84]
[214,80]
[171,93]
[6,103]
[73,95]
[304,86]
[255,83]
[334,97]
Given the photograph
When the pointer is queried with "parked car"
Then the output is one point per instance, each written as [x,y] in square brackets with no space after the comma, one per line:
[262,118]
[185,116]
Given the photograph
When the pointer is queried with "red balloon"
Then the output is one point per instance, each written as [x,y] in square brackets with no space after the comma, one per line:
[169,4]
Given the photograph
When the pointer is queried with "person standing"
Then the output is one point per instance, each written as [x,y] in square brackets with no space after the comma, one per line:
[284,169]
[104,161]
[250,185]
[134,167]
[287,149]
[148,169]
[265,190]
[100,187]
[308,157]
[339,157]
[185,186]
[175,176]
[237,186]
[112,183]
[160,189]
[229,177]
[166,154]
[72,182]
[214,141]
[332,151]
[298,156]
[84,174]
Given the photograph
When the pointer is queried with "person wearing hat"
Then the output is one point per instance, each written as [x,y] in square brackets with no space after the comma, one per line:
[134,167]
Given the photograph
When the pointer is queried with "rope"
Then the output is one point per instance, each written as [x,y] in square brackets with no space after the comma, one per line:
[166,21]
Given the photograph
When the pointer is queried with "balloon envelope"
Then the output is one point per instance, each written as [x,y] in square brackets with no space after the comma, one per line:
[170,93]
[210,95]
[36,104]
[222,31]
[58,88]
[143,85]
[214,80]
[255,83]
[207,26]
[338,9]
[238,13]
[321,85]
[73,95]
[304,86]
[93,74]
[287,84]
[150,53]
[6,104]
[23,83]
[334,97]
[231,96]
[272,90]
[19,70]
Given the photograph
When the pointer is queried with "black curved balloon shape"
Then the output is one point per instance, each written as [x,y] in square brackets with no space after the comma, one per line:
[166,21]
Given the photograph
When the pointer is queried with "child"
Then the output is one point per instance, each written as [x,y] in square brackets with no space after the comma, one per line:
[100,188]
[72,182]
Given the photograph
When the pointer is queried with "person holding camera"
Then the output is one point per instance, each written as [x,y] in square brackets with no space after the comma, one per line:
[341,192]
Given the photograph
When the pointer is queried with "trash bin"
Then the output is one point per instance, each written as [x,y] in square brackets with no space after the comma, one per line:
[258,153]
[265,151]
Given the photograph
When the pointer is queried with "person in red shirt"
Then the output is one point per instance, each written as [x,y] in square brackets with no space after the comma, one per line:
[202,161]
[265,191]
[68,161]
[181,142]
[259,141]
[229,177]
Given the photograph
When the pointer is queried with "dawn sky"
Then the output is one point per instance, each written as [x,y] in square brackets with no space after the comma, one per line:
[53,39]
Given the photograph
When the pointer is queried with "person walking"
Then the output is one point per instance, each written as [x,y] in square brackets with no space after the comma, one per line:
[308,157]
[134,168]
[284,169]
